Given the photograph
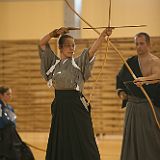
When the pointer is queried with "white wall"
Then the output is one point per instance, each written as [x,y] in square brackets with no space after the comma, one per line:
[30,19]
[123,12]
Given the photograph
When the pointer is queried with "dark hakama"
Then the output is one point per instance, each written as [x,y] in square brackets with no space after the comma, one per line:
[11,145]
[8,143]
[71,134]
[141,138]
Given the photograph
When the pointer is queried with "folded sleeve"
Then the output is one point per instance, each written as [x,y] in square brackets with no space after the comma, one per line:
[85,64]
[48,59]
[120,85]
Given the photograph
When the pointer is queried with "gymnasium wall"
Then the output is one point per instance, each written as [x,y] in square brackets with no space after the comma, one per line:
[20,69]
[31,19]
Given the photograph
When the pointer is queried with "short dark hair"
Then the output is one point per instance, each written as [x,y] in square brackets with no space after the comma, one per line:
[63,38]
[147,37]
[3,89]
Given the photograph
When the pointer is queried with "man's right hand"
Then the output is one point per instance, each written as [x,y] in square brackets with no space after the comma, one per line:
[123,95]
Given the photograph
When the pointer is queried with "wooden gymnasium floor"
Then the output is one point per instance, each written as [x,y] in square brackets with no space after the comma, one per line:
[109,146]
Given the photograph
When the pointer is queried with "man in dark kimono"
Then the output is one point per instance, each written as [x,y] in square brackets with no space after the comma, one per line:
[141,138]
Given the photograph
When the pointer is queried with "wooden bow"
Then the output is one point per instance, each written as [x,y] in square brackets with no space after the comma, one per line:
[120,55]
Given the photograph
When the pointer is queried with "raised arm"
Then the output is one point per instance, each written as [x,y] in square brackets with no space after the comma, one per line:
[96,45]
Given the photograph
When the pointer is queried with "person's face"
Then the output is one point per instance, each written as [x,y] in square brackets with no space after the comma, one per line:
[68,48]
[6,97]
[141,45]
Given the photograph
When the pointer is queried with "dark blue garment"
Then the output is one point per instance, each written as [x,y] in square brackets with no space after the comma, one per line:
[7,116]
